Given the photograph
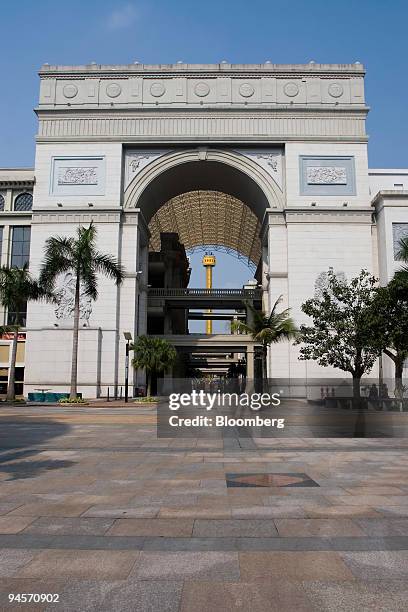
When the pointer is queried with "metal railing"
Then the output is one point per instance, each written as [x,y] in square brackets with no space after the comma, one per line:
[204,293]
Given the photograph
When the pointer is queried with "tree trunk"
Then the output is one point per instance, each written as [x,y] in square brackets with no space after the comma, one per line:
[74,365]
[149,384]
[264,386]
[399,366]
[359,426]
[11,394]
[356,388]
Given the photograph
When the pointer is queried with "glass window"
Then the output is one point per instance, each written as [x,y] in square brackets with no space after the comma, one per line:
[17,318]
[20,248]
[2,201]
[23,202]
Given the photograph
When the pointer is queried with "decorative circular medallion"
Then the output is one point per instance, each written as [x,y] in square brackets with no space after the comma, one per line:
[335,90]
[113,90]
[70,91]
[157,89]
[291,89]
[202,89]
[246,90]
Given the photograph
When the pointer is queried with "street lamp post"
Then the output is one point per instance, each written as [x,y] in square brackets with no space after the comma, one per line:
[128,338]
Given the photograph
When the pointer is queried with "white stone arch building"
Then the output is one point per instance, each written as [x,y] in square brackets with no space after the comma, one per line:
[288,140]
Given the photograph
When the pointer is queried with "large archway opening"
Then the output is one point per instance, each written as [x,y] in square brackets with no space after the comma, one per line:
[198,204]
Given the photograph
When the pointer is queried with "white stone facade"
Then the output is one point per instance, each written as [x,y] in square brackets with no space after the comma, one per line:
[295,135]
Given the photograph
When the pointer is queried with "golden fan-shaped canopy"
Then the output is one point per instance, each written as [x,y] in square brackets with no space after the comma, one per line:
[209,218]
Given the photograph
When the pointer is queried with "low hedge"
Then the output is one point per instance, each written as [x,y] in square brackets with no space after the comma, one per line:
[72,400]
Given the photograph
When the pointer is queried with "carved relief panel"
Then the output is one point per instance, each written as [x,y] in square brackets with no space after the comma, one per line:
[323,176]
[77,176]
[65,299]
[269,159]
[136,159]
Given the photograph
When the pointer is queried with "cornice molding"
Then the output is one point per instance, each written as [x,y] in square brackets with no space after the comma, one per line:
[183,69]
[10,184]
[390,197]
[75,216]
[207,127]
[329,215]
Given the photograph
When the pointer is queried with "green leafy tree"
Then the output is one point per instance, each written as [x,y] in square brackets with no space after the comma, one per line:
[340,334]
[17,287]
[154,355]
[389,325]
[79,256]
[267,328]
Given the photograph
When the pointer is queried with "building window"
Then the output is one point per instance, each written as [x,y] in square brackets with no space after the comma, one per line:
[2,202]
[23,202]
[20,248]
[399,231]
[17,318]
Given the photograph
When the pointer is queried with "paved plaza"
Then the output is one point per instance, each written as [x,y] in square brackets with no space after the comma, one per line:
[96,508]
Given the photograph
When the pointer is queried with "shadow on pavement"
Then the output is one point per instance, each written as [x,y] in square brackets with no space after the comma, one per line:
[17,437]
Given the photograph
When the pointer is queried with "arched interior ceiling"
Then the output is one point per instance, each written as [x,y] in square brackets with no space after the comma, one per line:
[202,176]
[208,217]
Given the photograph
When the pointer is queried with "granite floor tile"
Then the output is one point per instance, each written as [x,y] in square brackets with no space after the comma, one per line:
[195,512]
[296,566]
[217,566]
[120,596]
[319,527]
[370,500]
[81,564]
[69,526]
[14,524]
[122,512]
[269,512]
[339,511]
[378,565]
[396,511]
[374,490]
[159,527]
[250,528]
[8,506]
[384,526]
[384,596]
[12,560]
[44,509]
[244,597]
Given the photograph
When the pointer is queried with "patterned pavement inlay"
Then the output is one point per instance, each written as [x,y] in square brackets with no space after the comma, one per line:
[270,480]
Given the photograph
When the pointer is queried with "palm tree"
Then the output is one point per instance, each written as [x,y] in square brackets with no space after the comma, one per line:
[153,355]
[267,329]
[80,257]
[402,255]
[17,287]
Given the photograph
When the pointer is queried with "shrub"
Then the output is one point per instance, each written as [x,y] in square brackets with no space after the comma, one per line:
[72,400]
[146,400]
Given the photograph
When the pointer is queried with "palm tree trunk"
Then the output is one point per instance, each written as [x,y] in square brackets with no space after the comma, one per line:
[264,385]
[149,384]
[74,364]
[11,394]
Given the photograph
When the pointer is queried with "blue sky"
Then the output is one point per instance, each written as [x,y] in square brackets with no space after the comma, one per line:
[373,32]
[163,31]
